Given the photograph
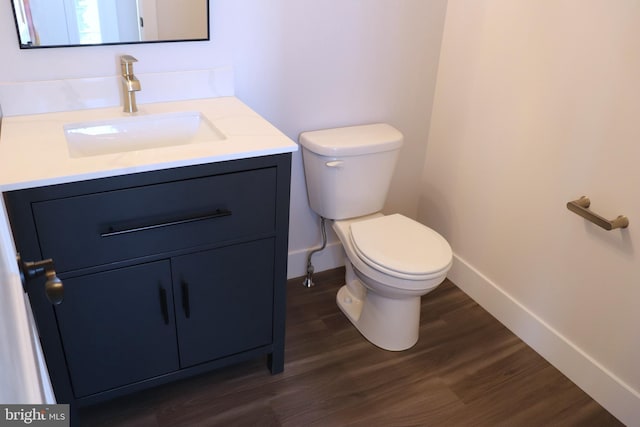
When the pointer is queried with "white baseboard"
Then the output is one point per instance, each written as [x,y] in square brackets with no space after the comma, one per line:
[330,257]
[611,392]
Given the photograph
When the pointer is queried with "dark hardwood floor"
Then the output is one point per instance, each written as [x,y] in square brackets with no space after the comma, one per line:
[466,370]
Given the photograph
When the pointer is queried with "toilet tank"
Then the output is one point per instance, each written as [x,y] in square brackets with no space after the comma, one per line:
[348,170]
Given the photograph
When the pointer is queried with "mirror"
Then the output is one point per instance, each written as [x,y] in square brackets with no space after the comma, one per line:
[59,23]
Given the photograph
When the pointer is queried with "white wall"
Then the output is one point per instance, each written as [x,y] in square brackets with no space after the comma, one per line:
[537,104]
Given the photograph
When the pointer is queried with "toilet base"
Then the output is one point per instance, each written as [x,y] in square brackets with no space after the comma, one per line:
[391,324]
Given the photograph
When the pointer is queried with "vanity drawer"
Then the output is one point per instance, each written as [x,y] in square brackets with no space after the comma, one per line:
[100,228]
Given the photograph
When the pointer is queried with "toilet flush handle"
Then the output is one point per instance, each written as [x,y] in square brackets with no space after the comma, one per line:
[334,163]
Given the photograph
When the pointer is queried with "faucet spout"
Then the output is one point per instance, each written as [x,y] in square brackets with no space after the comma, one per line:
[130,84]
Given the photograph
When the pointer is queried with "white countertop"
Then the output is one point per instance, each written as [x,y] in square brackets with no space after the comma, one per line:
[34,152]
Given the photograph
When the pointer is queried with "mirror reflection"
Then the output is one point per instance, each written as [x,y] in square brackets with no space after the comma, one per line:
[56,23]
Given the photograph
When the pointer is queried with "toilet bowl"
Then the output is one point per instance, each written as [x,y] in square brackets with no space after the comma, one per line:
[391,261]
[387,272]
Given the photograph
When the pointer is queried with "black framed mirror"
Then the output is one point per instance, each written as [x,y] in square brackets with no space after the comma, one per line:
[61,23]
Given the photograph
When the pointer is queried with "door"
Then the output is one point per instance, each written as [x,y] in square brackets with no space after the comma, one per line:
[224,300]
[117,327]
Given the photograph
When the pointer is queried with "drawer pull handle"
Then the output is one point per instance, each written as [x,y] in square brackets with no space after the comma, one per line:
[164,306]
[185,300]
[113,231]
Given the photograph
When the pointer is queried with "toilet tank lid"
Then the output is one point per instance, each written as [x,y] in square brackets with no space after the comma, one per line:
[352,140]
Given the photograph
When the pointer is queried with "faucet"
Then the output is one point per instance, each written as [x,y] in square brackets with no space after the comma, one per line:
[130,84]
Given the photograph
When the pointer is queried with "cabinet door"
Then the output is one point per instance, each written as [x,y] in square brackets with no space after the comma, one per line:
[224,300]
[118,327]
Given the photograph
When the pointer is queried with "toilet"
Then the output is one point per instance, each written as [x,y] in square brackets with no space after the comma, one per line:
[391,260]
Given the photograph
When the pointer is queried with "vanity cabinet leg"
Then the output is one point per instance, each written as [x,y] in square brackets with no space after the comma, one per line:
[275,361]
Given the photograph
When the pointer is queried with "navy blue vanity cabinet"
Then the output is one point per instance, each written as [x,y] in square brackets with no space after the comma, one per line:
[166,274]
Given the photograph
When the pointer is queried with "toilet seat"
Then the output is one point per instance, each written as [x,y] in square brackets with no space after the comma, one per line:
[401,247]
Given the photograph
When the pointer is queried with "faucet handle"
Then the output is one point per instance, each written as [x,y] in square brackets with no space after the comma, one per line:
[127,59]
[126,64]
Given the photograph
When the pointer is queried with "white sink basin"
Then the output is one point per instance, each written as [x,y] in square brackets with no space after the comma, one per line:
[139,133]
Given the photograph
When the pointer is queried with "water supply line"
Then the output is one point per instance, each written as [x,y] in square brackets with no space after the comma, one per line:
[308,281]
